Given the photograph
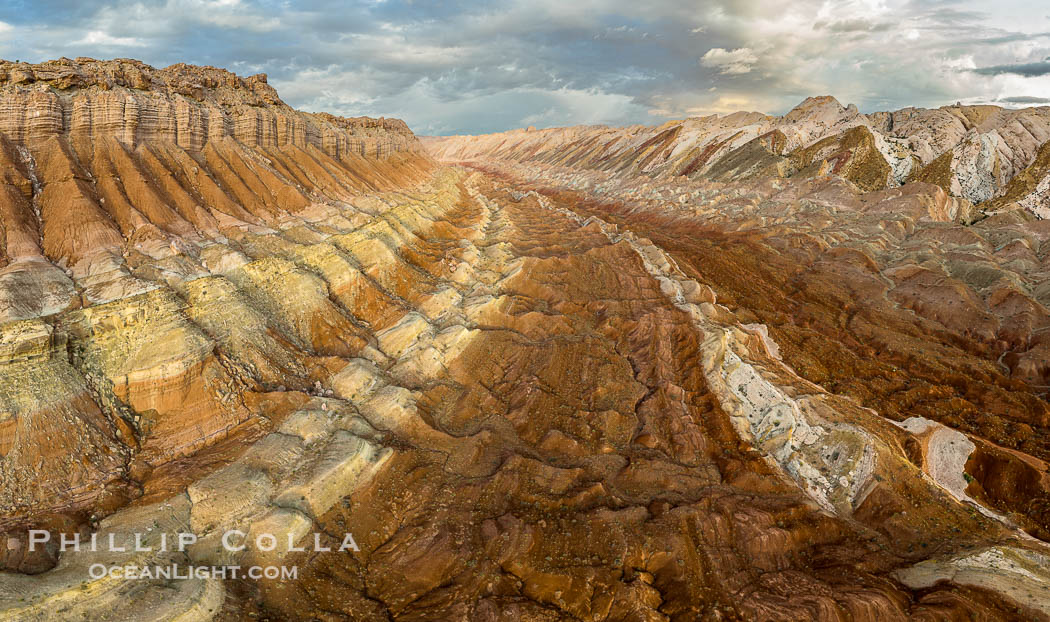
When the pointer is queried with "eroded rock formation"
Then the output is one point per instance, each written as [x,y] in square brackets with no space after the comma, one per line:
[731,368]
[972,152]
[133,198]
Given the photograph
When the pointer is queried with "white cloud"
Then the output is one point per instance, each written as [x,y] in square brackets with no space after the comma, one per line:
[729,62]
[97,37]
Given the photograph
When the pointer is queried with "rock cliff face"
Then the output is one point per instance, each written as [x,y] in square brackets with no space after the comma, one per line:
[182,104]
[126,189]
[559,383]
[972,152]
[1030,188]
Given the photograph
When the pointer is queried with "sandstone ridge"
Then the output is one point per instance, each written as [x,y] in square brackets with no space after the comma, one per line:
[124,189]
[184,104]
[972,152]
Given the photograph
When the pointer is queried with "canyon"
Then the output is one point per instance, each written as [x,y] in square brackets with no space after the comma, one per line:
[737,367]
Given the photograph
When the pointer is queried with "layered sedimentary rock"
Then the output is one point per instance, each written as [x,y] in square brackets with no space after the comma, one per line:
[1030,188]
[775,389]
[972,152]
[906,304]
[183,104]
[142,294]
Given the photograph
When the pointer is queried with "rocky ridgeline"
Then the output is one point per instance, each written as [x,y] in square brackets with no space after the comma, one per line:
[972,152]
[120,185]
[563,383]
[183,104]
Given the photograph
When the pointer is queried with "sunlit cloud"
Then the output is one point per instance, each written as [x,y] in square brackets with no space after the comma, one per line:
[102,39]
[729,62]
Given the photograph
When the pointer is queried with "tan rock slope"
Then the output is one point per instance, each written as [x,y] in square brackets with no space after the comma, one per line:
[560,382]
[972,152]
[127,190]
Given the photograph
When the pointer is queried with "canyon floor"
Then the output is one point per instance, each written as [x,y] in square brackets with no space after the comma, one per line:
[579,374]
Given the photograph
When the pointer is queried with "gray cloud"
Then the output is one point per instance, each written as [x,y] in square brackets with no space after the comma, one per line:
[853,25]
[1029,70]
[478,66]
[1024,99]
[729,62]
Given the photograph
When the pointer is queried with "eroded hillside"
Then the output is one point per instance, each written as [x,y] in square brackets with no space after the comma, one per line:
[559,382]
[971,152]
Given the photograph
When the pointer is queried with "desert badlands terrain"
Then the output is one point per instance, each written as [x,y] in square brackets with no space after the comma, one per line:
[737,367]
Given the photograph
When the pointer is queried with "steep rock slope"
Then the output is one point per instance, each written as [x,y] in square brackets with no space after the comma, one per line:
[972,152]
[1030,188]
[126,189]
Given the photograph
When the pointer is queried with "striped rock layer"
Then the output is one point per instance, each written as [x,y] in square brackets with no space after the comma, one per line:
[972,152]
[531,390]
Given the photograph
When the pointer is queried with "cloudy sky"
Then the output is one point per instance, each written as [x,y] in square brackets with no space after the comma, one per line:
[473,66]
